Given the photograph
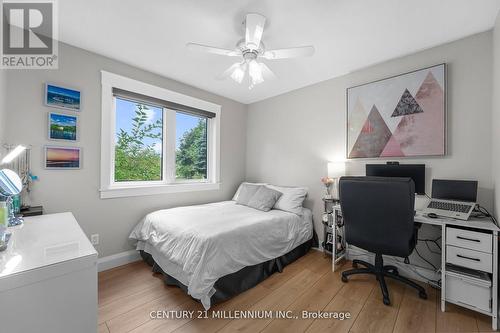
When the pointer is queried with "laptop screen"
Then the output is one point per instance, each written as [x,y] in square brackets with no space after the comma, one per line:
[460,190]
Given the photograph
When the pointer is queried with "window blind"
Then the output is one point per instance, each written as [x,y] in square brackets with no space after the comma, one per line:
[135,97]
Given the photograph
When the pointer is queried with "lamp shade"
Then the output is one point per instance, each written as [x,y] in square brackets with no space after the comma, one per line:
[336,169]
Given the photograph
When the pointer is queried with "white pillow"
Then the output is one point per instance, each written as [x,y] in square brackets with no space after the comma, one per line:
[235,197]
[264,199]
[291,200]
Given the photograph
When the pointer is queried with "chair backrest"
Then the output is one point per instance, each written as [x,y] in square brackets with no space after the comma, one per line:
[378,213]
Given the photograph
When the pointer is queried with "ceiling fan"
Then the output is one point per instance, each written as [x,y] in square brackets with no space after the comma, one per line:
[250,49]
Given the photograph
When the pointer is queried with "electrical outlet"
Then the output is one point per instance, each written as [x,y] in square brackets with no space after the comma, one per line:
[94,239]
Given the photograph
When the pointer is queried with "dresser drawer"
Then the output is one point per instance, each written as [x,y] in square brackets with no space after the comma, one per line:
[469,258]
[468,239]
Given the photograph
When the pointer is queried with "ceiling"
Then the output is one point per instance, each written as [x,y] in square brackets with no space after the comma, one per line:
[347,35]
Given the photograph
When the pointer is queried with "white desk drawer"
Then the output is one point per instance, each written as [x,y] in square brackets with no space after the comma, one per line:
[468,239]
[472,292]
[469,258]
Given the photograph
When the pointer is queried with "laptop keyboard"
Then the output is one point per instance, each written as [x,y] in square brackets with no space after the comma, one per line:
[450,206]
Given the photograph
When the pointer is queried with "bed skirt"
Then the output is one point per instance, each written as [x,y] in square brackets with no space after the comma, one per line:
[248,277]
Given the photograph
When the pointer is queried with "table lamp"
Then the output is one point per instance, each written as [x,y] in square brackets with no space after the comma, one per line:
[11,155]
[336,170]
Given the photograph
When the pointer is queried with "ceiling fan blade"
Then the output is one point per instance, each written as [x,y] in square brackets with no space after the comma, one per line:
[236,71]
[254,29]
[293,52]
[267,72]
[213,50]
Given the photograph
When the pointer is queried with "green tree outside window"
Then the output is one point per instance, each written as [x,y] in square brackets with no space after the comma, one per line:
[137,161]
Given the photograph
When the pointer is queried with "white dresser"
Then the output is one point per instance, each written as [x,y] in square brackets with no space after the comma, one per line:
[48,278]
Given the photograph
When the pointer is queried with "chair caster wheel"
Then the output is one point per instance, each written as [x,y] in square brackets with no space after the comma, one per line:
[422,295]
[344,279]
[387,301]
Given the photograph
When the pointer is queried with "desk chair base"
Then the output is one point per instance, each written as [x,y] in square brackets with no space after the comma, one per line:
[380,271]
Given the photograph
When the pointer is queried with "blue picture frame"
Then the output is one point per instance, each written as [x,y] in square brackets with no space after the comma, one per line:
[62,98]
[63,127]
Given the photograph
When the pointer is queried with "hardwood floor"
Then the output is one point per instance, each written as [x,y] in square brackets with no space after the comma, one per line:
[128,294]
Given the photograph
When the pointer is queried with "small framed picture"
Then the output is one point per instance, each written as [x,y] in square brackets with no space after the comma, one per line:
[63,158]
[62,98]
[63,127]
[329,239]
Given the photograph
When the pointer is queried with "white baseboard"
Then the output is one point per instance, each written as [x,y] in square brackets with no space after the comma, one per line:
[407,270]
[118,259]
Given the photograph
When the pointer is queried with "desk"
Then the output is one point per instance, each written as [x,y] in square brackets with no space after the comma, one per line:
[483,225]
[472,244]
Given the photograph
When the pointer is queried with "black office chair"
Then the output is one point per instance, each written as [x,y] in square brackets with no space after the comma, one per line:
[378,214]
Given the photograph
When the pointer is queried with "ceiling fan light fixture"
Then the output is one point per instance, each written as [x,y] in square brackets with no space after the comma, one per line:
[250,49]
[239,73]
[255,72]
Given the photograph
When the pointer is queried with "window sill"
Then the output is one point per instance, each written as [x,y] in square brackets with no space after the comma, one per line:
[138,190]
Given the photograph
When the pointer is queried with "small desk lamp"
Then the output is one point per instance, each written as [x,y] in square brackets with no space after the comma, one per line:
[13,154]
[335,171]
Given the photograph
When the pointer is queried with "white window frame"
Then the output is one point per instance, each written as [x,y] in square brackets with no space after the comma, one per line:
[169,184]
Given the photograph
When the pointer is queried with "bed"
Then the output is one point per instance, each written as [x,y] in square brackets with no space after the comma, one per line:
[215,251]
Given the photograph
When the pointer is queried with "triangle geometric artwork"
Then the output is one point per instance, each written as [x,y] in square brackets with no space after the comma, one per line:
[398,125]
[423,134]
[392,149]
[407,105]
[373,137]
[356,121]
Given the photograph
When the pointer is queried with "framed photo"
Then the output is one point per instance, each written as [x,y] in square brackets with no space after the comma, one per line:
[63,158]
[63,127]
[329,238]
[62,98]
[401,116]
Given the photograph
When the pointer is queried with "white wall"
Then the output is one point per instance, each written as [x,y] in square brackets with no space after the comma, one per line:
[291,137]
[496,113]
[3,109]
[77,191]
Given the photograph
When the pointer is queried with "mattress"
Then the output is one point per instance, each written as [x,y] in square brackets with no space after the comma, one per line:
[197,245]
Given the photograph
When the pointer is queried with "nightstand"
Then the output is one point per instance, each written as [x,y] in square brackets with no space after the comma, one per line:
[333,231]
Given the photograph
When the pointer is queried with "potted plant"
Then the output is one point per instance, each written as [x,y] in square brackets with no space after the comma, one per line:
[328,182]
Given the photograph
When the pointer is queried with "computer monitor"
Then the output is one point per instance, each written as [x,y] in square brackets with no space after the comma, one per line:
[413,171]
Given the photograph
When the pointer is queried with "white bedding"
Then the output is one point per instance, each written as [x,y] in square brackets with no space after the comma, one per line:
[197,245]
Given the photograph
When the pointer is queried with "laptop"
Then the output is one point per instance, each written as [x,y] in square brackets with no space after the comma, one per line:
[452,198]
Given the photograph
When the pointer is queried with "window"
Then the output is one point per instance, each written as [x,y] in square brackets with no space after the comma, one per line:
[156,141]
[138,141]
[191,147]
